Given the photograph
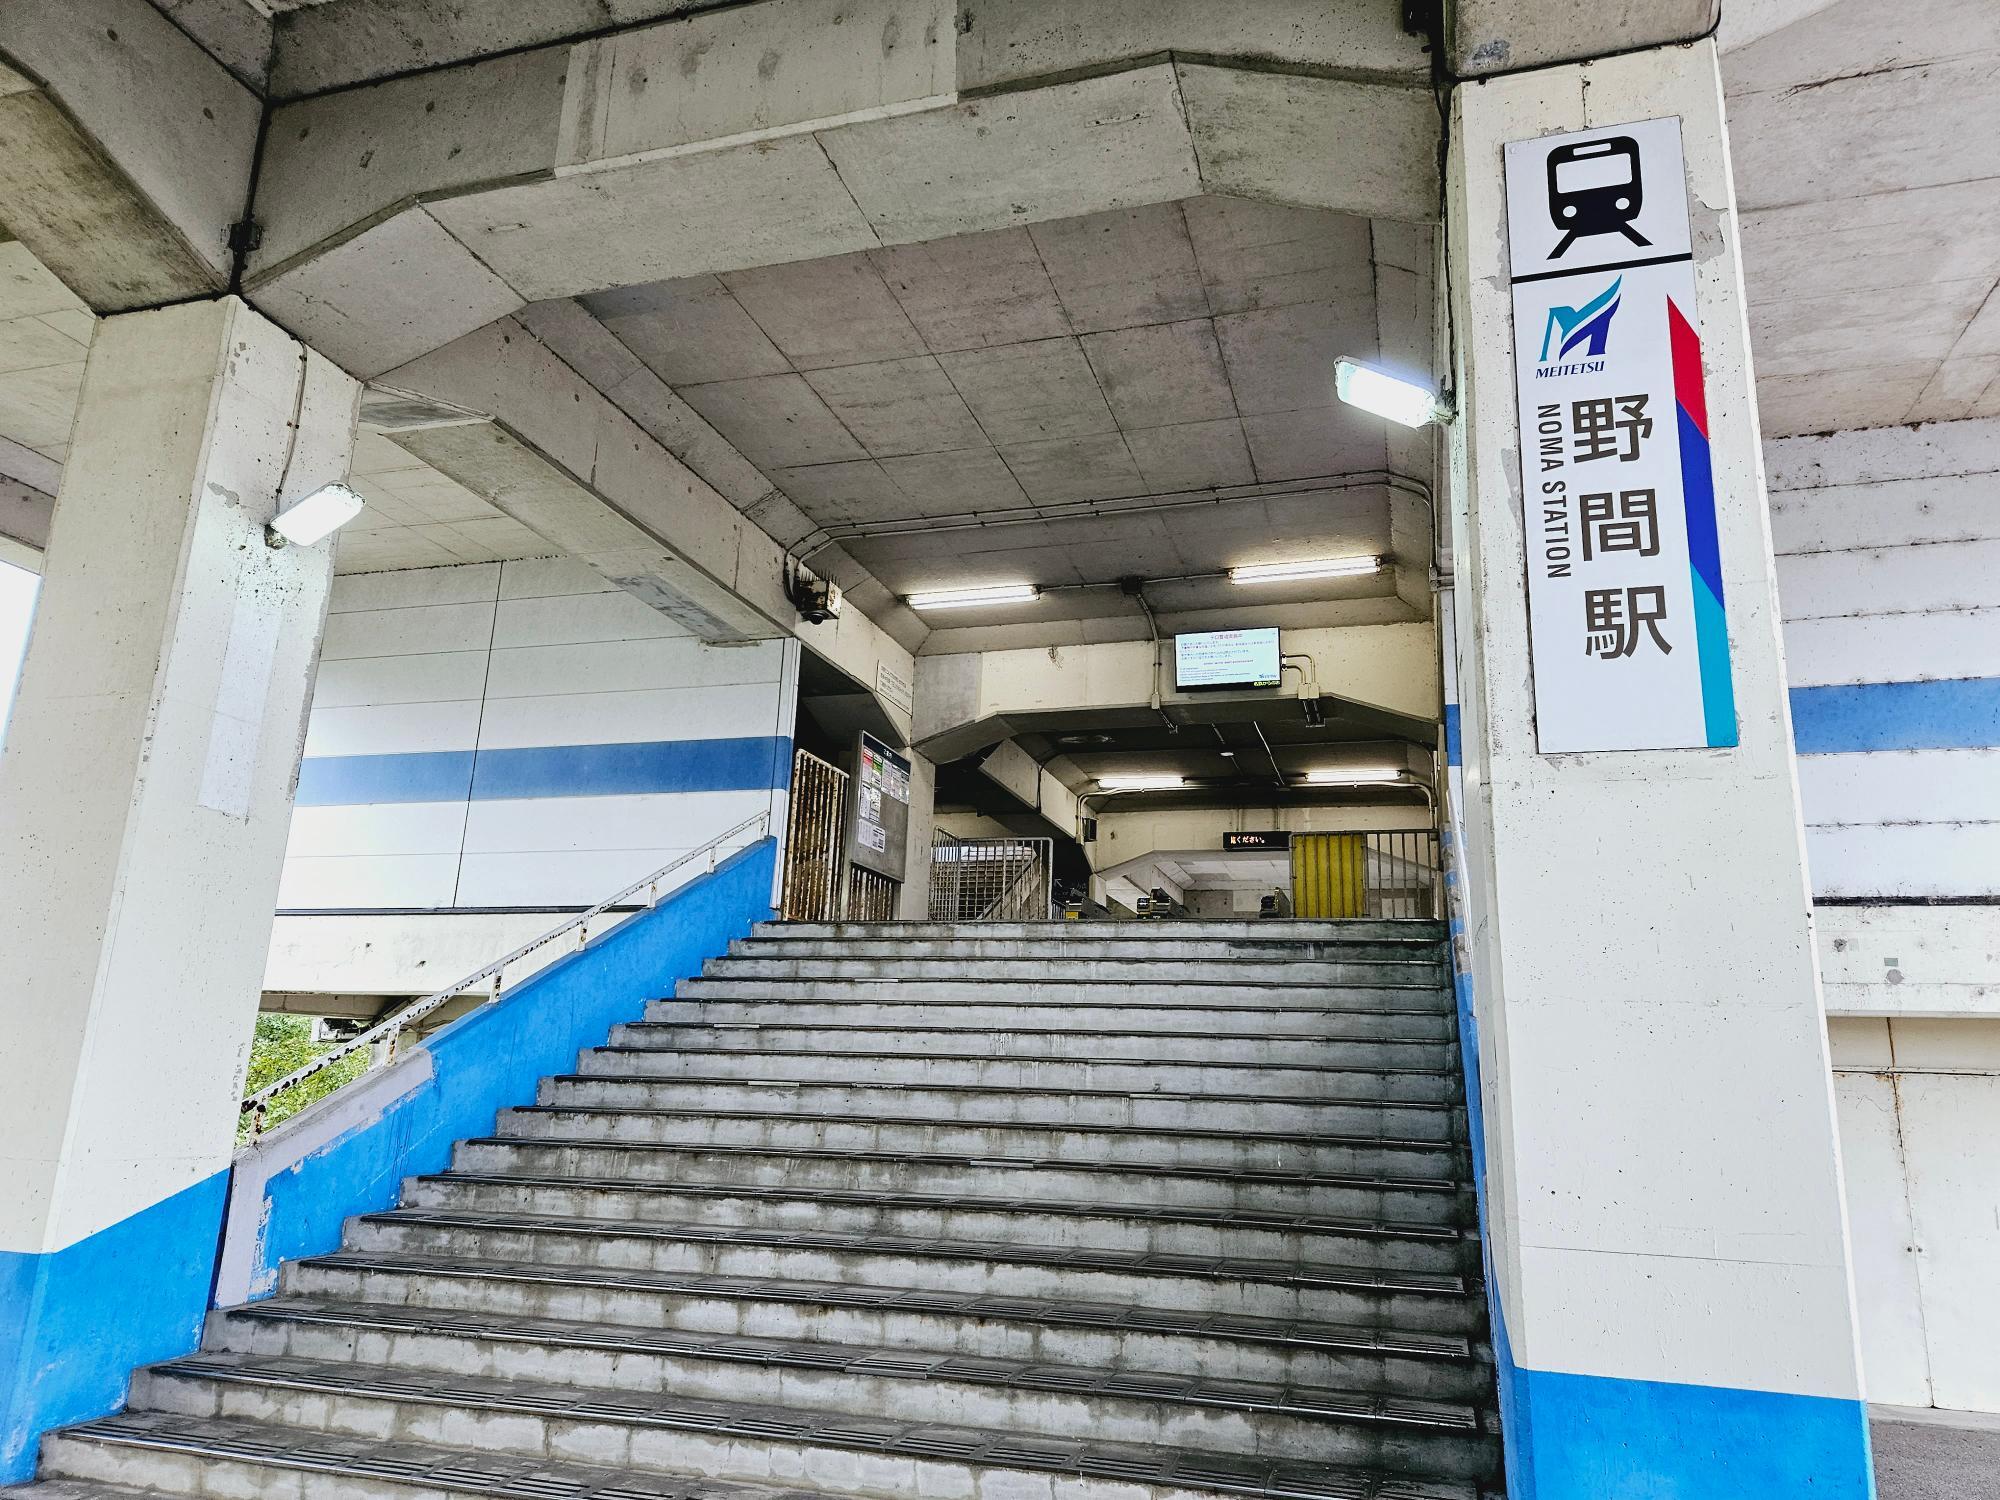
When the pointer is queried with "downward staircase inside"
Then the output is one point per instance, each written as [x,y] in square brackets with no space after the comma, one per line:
[1002,1212]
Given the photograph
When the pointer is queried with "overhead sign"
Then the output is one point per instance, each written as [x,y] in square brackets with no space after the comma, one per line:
[1627,632]
[878,819]
[1257,840]
[1226,659]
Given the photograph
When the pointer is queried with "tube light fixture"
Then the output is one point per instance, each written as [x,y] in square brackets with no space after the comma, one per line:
[1316,567]
[992,593]
[1353,775]
[316,517]
[1386,395]
[1142,783]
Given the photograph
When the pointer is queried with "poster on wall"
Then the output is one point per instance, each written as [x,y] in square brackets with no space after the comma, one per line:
[878,818]
[1628,635]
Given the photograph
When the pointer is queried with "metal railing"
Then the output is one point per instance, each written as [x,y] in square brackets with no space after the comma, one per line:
[990,880]
[814,829]
[1405,875]
[382,1037]
[1366,873]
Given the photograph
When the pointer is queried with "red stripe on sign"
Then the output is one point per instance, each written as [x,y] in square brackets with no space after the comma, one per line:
[1686,347]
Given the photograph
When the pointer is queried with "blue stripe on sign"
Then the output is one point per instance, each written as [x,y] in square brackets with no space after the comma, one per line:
[1711,647]
[752,763]
[1956,714]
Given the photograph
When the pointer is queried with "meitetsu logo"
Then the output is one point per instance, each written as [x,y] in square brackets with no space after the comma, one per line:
[1587,326]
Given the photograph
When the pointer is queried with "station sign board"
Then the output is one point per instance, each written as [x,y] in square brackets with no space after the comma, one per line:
[1628,636]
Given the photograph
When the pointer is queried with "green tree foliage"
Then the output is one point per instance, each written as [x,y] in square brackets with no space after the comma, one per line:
[282,1045]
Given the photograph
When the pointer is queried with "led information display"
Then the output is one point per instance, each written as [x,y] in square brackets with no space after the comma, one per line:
[1226,659]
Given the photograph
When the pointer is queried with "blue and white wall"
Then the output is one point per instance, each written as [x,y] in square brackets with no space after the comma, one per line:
[1889,546]
[522,734]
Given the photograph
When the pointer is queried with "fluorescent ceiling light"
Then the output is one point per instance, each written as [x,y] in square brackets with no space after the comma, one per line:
[1162,783]
[316,517]
[993,593]
[1317,567]
[1352,775]
[1384,394]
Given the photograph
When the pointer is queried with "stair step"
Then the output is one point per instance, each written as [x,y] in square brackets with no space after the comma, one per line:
[614,1426]
[1159,1017]
[574,1109]
[1258,948]
[1411,994]
[562,1251]
[1050,935]
[1291,1239]
[1082,1107]
[1411,1199]
[176,1455]
[1316,974]
[724,1341]
[1004,1040]
[1256,1080]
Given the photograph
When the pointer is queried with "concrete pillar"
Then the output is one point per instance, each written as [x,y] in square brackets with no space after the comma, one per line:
[1674,1308]
[145,792]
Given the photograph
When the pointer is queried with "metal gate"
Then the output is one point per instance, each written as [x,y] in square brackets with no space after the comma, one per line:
[991,880]
[1379,874]
[814,827]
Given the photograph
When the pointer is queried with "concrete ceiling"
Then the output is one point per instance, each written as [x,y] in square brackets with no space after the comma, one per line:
[1866,153]
[416,517]
[1139,392]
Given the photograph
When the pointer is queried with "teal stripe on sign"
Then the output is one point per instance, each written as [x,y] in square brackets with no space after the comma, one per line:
[1711,644]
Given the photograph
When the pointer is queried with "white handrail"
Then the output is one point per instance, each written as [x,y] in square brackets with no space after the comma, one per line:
[391,1029]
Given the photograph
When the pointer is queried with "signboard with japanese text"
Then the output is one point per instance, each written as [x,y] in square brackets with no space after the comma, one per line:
[1226,659]
[878,819]
[1627,632]
[1258,839]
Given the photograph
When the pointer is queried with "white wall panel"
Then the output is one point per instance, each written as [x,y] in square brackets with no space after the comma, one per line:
[1950,1125]
[1894,513]
[393,728]
[551,879]
[578,824]
[1906,960]
[387,829]
[565,619]
[354,592]
[1888,580]
[408,632]
[541,577]
[369,880]
[1895,1364]
[1925,859]
[627,666]
[680,713]
[1900,786]
[438,677]
[1892,648]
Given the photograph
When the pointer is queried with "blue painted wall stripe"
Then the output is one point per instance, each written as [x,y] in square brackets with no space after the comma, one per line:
[1454,749]
[752,763]
[1957,714]
[76,1322]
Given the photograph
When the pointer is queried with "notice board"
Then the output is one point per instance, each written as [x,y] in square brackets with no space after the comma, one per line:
[878,817]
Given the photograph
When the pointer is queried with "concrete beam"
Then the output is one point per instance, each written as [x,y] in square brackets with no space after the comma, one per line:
[1488,37]
[967,702]
[555,453]
[125,151]
[399,215]
[25,513]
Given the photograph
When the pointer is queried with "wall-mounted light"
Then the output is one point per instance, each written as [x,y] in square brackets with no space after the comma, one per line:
[1316,567]
[995,593]
[1142,783]
[1386,395]
[1353,775]
[314,518]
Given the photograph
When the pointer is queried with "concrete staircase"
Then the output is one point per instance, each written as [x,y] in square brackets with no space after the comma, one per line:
[1010,1212]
